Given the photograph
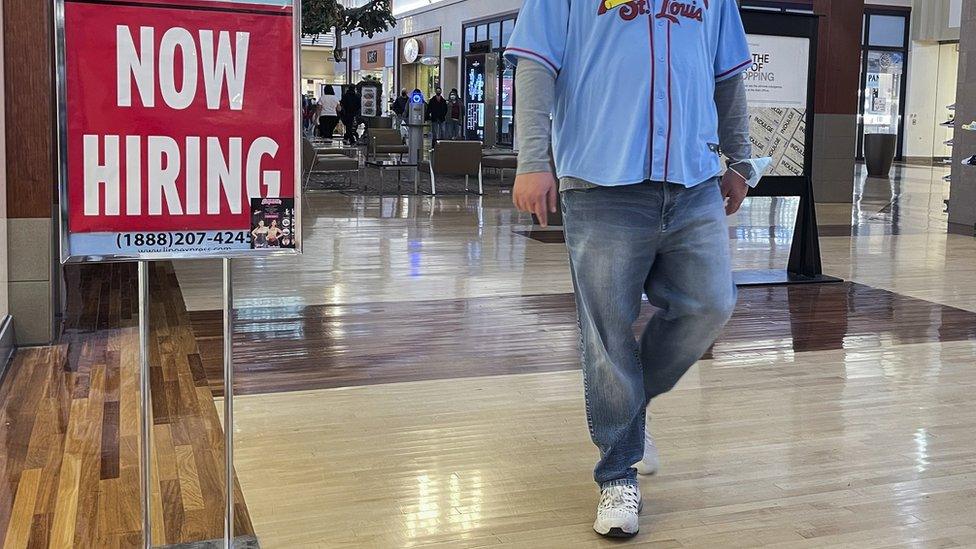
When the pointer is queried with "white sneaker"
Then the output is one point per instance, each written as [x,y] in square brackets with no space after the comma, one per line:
[651,461]
[617,514]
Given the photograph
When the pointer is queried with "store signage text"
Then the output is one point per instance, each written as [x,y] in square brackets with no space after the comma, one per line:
[210,170]
[758,70]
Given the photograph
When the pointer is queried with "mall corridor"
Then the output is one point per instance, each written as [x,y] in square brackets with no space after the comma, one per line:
[389,274]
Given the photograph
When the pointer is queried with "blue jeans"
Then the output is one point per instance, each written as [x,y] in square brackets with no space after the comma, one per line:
[670,243]
[439,130]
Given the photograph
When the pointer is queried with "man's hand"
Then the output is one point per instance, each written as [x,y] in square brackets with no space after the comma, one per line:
[734,190]
[536,193]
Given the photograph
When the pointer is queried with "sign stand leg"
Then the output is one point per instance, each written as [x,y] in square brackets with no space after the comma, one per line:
[145,444]
[228,404]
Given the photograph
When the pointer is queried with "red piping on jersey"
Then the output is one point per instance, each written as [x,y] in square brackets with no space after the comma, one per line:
[733,69]
[650,156]
[667,149]
[534,54]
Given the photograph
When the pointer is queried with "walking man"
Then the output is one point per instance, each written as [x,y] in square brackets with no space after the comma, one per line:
[644,204]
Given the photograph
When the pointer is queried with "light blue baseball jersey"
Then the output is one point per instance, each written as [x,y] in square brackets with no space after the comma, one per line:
[635,83]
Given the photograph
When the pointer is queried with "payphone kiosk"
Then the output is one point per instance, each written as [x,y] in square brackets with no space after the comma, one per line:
[416,115]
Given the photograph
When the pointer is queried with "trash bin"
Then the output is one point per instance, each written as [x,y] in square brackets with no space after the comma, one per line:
[879,153]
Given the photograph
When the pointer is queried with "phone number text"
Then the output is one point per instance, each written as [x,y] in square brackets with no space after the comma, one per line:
[181,239]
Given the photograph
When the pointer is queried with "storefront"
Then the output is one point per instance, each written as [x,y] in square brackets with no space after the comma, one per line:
[884,60]
[932,83]
[317,62]
[374,62]
[420,62]
[496,31]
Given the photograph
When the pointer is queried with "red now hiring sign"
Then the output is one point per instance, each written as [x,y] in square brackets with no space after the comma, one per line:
[180,126]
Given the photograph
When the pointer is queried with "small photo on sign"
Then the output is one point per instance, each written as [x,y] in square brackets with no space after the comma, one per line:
[272,223]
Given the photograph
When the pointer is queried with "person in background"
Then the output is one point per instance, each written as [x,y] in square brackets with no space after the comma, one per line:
[437,113]
[351,108]
[328,112]
[308,112]
[644,212]
[400,109]
[455,112]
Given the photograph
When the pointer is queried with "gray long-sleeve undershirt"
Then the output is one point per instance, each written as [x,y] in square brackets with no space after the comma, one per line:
[536,87]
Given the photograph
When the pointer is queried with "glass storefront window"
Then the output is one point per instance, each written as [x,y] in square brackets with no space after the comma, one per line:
[495,32]
[508,26]
[882,92]
[355,58]
[423,74]
[499,32]
[506,129]
[887,31]
[884,60]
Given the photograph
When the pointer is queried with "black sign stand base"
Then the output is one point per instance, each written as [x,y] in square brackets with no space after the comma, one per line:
[805,266]
[774,277]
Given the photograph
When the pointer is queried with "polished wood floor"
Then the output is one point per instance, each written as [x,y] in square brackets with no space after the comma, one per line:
[862,449]
[69,426]
[412,381]
[326,346]
[837,418]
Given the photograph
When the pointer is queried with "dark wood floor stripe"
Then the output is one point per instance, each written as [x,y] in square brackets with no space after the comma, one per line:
[289,349]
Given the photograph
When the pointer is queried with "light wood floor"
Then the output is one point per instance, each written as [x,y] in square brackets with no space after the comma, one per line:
[870,443]
[866,449]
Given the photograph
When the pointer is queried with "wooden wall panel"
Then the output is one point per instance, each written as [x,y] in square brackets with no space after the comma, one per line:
[28,60]
[838,55]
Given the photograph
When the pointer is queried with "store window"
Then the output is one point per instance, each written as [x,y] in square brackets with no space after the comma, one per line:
[887,31]
[884,59]
[498,31]
[375,63]
[420,62]
[495,33]
[508,26]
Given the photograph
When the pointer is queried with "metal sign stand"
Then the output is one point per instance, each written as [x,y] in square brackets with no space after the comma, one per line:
[228,404]
[145,444]
[804,266]
[102,252]
[145,441]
